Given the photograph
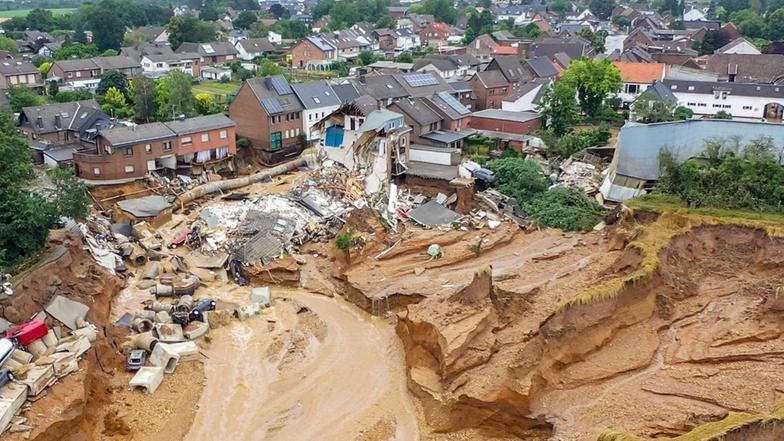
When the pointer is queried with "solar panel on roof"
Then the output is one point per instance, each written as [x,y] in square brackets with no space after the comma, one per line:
[272,105]
[456,105]
[417,80]
[281,86]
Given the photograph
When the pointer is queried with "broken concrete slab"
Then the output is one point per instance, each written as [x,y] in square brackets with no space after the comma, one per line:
[169,333]
[164,357]
[12,397]
[195,330]
[148,378]
[432,214]
[187,351]
[65,363]
[245,312]
[77,344]
[261,294]
[196,259]
[37,379]
[89,331]
[146,206]
[67,311]
[22,356]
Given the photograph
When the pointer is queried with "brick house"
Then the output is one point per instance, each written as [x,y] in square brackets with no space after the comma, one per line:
[509,128]
[490,88]
[439,120]
[435,34]
[269,114]
[313,48]
[60,123]
[87,72]
[123,154]
[387,39]
[19,73]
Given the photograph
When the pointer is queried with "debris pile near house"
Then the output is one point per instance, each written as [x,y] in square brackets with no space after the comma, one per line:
[581,175]
[36,354]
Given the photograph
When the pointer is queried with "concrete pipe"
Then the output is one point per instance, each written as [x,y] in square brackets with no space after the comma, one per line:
[37,348]
[21,356]
[12,364]
[146,314]
[158,307]
[145,341]
[162,317]
[141,325]
[138,256]
[230,184]
[152,271]
[161,290]
[50,340]
[186,300]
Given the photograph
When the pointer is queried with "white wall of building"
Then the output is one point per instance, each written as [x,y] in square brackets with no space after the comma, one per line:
[737,106]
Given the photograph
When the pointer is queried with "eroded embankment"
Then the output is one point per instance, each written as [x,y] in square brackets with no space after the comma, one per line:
[688,331]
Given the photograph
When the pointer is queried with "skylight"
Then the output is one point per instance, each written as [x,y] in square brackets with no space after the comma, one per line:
[318,101]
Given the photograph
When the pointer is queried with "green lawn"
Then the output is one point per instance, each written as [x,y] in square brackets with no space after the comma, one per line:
[661,203]
[217,88]
[23,12]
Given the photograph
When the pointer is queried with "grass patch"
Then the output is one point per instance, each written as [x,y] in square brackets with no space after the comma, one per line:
[217,88]
[715,431]
[11,13]
[661,203]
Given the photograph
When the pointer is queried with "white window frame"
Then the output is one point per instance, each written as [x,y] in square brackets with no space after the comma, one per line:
[224,134]
[130,169]
[205,137]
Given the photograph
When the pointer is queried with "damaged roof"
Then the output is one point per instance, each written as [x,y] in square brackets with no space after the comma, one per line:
[417,110]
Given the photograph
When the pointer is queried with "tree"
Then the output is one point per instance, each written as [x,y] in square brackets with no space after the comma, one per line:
[110,53]
[322,8]
[204,104]
[559,107]
[53,89]
[69,195]
[21,96]
[245,20]
[443,10]
[64,96]
[107,26]
[597,39]
[343,15]
[560,7]
[518,178]
[279,11]
[75,50]
[386,21]
[270,68]
[602,8]
[144,99]
[41,20]
[621,21]
[366,58]
[44,68]
[245,5]
[114,97]
[112,79]
[292,29]
[774,25]
[174,96]
[652,109]
[135,37]
[565,208]
[209,11]
[189,28]
[8,45]
[593,80]
[750,23]
[404,57]
[682,113]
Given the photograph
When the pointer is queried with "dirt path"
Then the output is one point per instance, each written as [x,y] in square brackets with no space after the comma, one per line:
[336,387]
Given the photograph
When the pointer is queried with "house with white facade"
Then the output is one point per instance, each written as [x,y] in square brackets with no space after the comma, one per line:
[319,101]
[253,47]
[526,97]
[274,37]
[637,77]
[757,102]
[739,45]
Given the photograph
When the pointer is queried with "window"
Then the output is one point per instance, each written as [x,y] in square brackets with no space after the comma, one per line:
[70,75]
[128,151]
[186,140]
[78,74]
[631,88]
[167,146]
[129,169]
[691,87]
[148,148]
[703,105]
[691,104]
[318,101]
[205,137]
[746,107]
[287,117]
[97,171]
[224,134]
[310,117]
[276,140]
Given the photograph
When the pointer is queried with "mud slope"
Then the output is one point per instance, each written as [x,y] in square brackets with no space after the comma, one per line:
[697,340]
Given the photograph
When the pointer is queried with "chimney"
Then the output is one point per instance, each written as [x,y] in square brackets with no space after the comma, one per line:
[39,121]
[58,121]
[98,128]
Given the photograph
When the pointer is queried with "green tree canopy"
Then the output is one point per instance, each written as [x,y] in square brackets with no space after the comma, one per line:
[602,8]
[21,96]
[189,28]
[443,10]
[594,80]
[245,20]
[145,105]
[113,78]
[559,107]
[174,96]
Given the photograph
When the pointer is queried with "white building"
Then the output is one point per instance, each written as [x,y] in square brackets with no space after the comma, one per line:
[739,46]
[526,97]
[760,102]
[637,77]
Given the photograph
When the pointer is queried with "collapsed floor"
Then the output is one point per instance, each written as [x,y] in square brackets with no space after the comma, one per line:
[492,347]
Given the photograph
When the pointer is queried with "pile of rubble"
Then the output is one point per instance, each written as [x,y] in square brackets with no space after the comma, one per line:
[36,354]
[581,175]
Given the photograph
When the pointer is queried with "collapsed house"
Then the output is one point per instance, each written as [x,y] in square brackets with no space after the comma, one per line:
[362,138]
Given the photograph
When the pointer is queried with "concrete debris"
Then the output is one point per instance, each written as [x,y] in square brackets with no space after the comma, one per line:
[148,379]
[67,311]
[262,295]
[146,206]
[432,214]
[245,312]
[37,378]
[581,175]
[164,357]
[12,397]
[169,333]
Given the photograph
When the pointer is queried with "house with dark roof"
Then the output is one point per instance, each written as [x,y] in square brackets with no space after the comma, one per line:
[448,66]
[158,58]
[319,100]
[739,45]
[747,68]
[435,118]
[214,52]
[526,97]
[269,114]
[86,73]
[512,68]
[637,77]
[250,48]
[346,92]
[490,87]
[157,34]
[482,48]
[385,89]
[312,52]
[19,73]
[575,47]
[187,146]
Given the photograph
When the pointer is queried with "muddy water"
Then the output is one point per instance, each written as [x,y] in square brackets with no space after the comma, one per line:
[334,389]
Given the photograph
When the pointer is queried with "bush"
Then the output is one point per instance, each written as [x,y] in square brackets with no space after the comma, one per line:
[480,159]
[518,178]
[575,141]
[565,208]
